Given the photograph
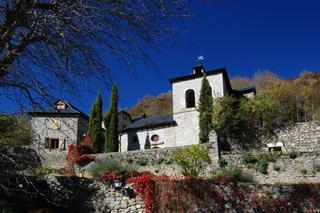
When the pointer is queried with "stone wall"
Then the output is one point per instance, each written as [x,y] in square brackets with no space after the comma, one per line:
[304,168]
[14,158]
[62,194]
[157,161]
[53,193]
[301,137]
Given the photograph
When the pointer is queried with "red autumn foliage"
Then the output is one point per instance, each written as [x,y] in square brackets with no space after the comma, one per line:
[144,186]
[78,154]
[111,176]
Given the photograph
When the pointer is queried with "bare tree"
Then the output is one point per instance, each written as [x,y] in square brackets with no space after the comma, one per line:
[57,45]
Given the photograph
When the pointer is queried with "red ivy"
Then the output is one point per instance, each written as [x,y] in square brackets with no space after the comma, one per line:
[78,154]
[144,186]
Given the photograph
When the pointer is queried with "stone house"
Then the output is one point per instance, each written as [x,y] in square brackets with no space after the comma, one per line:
[182,127]
[54,129]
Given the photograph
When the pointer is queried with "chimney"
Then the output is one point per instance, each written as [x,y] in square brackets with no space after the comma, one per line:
[198,69]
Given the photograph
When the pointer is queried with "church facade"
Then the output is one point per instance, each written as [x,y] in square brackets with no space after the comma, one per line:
[182,126]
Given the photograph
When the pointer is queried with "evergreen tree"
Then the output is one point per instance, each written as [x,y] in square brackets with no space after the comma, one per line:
[95,121]
[111,123]
[205,110]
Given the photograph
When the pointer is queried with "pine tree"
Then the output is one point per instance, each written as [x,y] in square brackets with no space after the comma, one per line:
[111,123]
[205,110]
[95,121]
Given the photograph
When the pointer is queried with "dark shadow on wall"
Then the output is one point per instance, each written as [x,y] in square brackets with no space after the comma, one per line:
[133,141]
[147,144]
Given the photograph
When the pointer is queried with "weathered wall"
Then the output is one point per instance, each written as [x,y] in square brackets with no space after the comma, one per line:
[158,161]
[54,193]
[136,140]
[42,128]
[301,137]
[68,132]
[290,169]
[14,158]
[62,194]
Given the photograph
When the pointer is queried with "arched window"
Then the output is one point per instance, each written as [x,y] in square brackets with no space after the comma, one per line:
[190,100]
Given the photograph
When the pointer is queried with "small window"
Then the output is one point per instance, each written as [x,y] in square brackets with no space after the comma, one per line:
[51,143]
[190,99]
[155,138]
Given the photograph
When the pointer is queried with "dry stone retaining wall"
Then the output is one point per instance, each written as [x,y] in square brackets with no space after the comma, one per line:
[300,137]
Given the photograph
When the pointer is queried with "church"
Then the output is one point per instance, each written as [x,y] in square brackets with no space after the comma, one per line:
[182,126]
[54,129]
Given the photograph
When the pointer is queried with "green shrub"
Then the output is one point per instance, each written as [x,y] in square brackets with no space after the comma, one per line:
[303,171]
[41,171]
[142,162]
[315,168]
[293,154]
[192,160]
[263,162]
[222,162]
[249,158]
[101,167]
[160,160]
[234,174]
[168,161]
[276,167]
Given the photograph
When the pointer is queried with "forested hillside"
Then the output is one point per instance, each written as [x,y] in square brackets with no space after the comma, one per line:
[153,105]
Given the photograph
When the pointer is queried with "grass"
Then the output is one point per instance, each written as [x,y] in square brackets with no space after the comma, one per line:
[160,160]
[315,168]
[303,172]
[276,167]
[234,174]
[41,171]
[259,162]
[111,165]
[142,162]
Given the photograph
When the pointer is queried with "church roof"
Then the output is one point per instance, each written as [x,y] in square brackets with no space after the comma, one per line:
[151,122]
[222,71]
[68,110]
[245,90]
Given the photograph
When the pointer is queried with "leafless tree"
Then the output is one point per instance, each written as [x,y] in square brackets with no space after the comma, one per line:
[59,45]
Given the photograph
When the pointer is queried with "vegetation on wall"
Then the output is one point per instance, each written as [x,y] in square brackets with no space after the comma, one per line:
[192,160]
[205,110]
[95,121]
[15,130]
[111,123]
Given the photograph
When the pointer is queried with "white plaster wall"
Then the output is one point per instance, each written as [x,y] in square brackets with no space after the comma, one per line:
[187,130]
[179,89]
[123,138]
[166,135]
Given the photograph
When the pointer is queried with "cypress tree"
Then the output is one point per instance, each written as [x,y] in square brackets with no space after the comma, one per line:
[111,123]
[205,110]
[95,121]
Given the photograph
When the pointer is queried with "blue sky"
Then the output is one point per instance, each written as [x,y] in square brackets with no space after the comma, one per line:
[244,36]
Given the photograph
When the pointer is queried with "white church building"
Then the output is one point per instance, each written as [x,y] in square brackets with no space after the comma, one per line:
[182,127]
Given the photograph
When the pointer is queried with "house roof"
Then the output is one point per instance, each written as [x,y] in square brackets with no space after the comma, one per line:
[151,122]
[222,71]
[244,90]
[68,110]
